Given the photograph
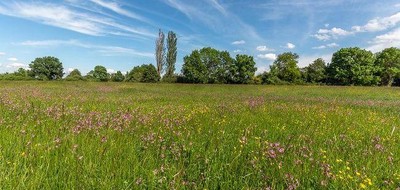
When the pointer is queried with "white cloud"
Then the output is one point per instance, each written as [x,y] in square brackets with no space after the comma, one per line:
[111,71]
[104,50]
[326,25]
[70,70]
[12,59]
[374,25]
[264,48]
[390,39]
[268,56]
[16,65]
[322,37]
[334,33]
[378,24]
[2,53]
[290,46]
[237,51]
[239,42]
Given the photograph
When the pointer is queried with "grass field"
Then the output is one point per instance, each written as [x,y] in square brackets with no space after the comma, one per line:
[67,135]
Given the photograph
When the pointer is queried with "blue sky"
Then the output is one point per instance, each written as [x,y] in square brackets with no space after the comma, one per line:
[121,34]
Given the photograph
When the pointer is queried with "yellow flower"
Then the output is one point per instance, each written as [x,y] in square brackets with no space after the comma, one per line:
[362,186]
[358,174]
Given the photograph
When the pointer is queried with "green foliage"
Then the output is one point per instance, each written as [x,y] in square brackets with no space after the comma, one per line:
[315,72]
[389,62]
[285,68]
[74,75]
[145,73]
[100,73]
[46,68]
[117,77]
[353,66]
[207,66]
[171,54]
[19,75]
[242,71]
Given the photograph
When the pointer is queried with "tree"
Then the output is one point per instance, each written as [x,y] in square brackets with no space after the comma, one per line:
[100,73]
[353,66]
[143,73]
[285,68]
[160,52]
[171,54]
[316,71]
[207,65]
[243,70]
[117,77]
[389,62]
[46,68]
[74,75]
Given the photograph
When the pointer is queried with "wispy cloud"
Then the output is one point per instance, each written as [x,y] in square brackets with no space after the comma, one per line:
[104,50]
[66,18]
[12,59]
[229,23]
[16,65]
[216,5]
[238,42]
[2,53]
[118,9]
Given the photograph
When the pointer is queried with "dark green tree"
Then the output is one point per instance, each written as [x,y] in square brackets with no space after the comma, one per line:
[143,73]
[100,73]
[316,71]
[389,62]
[243,70]
[171,54]
[285,68]
[117,77]
[46,68]
[207,65]
[353,66]
[74,75]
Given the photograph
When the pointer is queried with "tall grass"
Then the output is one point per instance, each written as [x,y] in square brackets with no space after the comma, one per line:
[76,135]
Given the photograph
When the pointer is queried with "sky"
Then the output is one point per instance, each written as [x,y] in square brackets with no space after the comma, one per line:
[121,34]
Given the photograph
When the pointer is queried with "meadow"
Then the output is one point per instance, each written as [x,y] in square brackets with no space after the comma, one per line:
[83,135]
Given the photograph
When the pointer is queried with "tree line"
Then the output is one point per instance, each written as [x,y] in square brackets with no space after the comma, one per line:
[349,66]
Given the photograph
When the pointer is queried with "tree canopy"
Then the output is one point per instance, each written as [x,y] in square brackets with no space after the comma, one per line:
[353,66]
[389,62]
[100,73]
[46,68]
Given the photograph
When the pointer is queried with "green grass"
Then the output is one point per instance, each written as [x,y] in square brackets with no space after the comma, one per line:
[76,135]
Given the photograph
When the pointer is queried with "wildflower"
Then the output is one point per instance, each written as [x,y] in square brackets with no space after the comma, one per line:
[363,186]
